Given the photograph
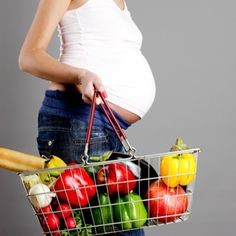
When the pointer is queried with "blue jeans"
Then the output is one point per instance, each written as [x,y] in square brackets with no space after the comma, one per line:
[67,137]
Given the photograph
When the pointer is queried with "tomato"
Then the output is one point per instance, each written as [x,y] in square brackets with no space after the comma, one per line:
[56,233]
[51,222]
[70,223]
[64,210]
[46,209]
[42,212]
[178,169]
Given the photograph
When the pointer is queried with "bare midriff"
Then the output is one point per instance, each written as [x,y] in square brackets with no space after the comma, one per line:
[130,117]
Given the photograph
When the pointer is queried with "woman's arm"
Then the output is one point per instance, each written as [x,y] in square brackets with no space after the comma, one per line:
[34,59]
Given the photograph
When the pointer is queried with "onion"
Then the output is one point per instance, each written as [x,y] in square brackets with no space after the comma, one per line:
[40,195]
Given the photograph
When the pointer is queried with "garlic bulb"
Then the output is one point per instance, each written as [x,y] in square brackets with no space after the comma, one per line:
[40,195]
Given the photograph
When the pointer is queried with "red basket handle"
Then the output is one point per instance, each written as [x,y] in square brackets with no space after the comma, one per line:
[121,136]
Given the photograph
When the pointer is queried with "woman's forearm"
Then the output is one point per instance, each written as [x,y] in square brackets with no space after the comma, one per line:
[40,64]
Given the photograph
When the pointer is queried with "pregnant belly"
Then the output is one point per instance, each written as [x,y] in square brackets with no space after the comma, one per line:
[127,78]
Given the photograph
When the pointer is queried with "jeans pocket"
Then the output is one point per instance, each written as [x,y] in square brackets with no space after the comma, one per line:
[79,132]
[97,145]
[44,146]
[95,138]
[56,142]
[99,140]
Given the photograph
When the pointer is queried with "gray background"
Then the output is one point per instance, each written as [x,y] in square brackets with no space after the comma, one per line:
[190,45]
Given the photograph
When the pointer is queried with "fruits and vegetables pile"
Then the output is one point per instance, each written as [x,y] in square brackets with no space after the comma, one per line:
[83,200]
[167,199]
[57,210]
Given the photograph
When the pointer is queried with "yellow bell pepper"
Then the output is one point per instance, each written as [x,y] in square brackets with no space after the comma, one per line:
[178,168]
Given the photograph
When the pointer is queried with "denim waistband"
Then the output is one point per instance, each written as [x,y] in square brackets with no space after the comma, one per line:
[71,105]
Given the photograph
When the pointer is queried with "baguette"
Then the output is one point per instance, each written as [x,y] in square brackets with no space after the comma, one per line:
[19,161]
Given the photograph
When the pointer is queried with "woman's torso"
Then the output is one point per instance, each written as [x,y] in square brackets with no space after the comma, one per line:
[102,37]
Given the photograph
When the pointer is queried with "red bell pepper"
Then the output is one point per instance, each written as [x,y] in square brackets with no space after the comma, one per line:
[75,187]
[118,177]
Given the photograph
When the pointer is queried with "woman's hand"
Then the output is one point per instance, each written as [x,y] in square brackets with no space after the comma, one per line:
[89,81]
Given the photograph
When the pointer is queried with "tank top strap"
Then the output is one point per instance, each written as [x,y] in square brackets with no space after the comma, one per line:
[115,4]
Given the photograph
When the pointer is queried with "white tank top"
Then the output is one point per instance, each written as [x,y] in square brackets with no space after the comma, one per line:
[102,38]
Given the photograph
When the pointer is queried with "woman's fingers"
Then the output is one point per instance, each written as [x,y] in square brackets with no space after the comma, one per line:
[85,99]
[88,91]
[90,81]
[89,100]
[88,95]
[104,94]
[99,101]
[99,86]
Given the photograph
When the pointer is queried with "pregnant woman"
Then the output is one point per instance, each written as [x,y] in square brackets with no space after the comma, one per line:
[100,48]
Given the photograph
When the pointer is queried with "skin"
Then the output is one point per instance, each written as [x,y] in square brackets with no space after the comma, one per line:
[34,59]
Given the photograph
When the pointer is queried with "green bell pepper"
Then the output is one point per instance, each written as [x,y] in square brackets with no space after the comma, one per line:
[103,213]
[130,211]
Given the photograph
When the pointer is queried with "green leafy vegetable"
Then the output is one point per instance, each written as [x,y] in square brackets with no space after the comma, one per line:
[81,228]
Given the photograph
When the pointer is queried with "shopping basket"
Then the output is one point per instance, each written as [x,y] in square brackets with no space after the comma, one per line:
[125,192]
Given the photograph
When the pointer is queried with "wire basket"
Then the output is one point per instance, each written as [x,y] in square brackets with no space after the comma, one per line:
[126,192]
[114,206]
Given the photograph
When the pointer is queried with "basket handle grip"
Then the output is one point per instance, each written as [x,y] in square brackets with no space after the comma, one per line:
[121,136]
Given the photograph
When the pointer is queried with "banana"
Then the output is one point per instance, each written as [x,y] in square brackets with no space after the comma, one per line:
[18,161]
